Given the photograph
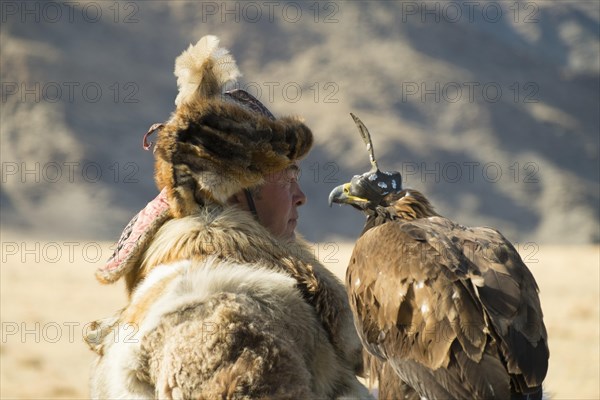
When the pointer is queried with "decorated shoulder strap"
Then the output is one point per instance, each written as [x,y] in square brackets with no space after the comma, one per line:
[135,238]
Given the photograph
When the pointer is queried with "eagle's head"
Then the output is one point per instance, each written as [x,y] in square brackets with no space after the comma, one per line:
[371,189]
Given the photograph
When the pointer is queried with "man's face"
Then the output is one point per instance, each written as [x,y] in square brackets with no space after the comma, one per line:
[277,202]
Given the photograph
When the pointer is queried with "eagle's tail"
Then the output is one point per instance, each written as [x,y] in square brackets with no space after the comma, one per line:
[203,70]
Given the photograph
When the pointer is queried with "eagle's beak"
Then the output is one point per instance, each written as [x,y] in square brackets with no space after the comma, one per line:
[337,195]
[341,195]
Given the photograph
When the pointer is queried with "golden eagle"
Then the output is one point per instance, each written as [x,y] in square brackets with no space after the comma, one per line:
[449,311]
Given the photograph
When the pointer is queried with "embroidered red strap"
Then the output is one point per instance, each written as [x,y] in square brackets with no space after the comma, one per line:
[135,237]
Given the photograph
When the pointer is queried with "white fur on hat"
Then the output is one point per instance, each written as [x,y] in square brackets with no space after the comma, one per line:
[192,65]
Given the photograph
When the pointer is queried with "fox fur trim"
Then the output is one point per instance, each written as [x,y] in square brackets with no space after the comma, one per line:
[203,70]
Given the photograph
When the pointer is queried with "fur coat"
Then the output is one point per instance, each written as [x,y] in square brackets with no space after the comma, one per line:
[227,311]
[219,307]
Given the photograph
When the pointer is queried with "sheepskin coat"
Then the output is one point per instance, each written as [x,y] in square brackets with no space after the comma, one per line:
[219,307]
[225,310]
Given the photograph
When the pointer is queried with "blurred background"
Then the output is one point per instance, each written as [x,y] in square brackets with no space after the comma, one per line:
[491,108]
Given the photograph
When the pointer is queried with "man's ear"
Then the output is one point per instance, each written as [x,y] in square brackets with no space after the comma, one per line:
[239,199]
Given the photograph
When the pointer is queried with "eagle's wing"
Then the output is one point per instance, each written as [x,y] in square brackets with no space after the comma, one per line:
[509,295]
[388,384]
[419,303]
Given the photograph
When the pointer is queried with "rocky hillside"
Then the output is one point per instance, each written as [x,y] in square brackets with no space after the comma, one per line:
[490,108]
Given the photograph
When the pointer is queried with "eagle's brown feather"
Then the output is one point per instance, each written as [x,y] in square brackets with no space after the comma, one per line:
[453,310]
[393,388]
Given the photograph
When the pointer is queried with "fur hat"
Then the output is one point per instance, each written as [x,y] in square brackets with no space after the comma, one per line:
[217,143]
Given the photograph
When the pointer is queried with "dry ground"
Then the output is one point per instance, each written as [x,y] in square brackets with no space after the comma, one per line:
[48,295]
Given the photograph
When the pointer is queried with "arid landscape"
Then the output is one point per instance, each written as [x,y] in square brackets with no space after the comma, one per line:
[488,107]
[46,306]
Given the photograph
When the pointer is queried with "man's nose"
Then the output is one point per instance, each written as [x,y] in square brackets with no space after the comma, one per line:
[299,196]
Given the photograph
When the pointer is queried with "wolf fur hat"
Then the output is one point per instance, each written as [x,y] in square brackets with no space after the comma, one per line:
[215,144]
